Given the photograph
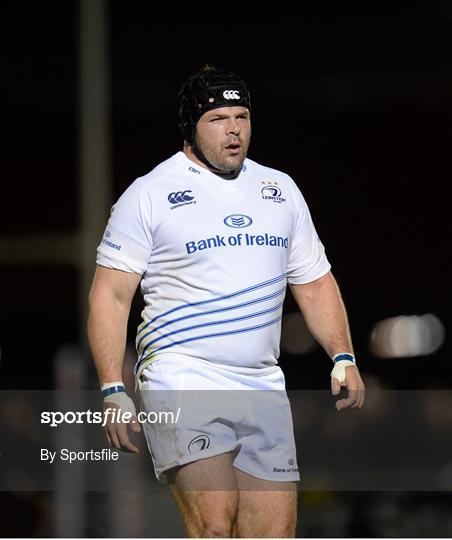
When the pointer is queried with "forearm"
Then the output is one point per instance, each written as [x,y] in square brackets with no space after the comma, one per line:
[325,314]
[107,334]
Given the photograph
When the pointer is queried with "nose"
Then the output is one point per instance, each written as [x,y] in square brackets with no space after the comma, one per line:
[233,126]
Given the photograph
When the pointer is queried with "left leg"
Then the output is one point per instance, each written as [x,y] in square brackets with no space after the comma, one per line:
[206,494]
[266,508]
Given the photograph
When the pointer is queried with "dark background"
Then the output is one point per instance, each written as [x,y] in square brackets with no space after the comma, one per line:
[352,99]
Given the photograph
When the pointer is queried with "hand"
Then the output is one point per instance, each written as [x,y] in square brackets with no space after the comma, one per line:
[347,377]
[116,432]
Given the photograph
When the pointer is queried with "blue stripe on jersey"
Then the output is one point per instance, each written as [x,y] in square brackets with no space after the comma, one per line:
[216,299]
[212,323]
[206,336]
[219,310]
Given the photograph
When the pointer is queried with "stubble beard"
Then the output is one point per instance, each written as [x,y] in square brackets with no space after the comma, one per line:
[223,162]
[218,158]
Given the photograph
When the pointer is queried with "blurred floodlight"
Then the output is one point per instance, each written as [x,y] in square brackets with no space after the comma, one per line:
[406,336]
[295,336]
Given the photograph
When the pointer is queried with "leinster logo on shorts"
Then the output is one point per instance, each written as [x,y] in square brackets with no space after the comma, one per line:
[272,191]
[201,442]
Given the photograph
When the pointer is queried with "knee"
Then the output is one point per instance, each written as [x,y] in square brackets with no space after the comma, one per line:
[218,528]
[282,530]
[276,529]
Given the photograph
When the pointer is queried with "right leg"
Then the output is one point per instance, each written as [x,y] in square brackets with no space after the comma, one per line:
[267,509]
[207,496]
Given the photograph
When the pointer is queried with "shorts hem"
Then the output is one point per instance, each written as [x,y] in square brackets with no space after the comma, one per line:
[195,457]
[295,478]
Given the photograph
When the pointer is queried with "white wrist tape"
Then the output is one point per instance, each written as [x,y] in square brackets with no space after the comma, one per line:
[121,400]
[338,372]
[114,392]
[341,361]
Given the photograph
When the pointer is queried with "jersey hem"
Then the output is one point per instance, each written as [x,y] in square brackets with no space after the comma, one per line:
[237,370]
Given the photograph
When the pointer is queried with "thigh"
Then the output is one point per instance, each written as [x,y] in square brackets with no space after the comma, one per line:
[202,420]
[206,494]
[267,439]
[266,508]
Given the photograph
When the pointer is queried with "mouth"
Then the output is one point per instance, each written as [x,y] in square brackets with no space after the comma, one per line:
[233,148]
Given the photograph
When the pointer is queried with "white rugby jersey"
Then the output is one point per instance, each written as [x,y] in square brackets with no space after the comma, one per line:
[215,256]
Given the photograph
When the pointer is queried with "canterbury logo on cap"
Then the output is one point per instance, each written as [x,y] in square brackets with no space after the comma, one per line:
[231,94]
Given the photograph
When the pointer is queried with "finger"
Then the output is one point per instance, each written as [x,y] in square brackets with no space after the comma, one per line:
[356,405]
[135,425]
[125,442]
[113,436]
[107,436]
[359,400]
[335,386]
[347,402]
[362,398]
[344,404]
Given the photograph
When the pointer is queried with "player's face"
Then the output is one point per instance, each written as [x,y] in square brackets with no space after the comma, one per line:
[223,136]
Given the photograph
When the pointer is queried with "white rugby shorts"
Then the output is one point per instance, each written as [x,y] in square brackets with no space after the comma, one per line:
[218,409]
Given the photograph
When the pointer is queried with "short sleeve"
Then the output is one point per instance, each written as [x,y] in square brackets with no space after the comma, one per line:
[127,241]
[307,259]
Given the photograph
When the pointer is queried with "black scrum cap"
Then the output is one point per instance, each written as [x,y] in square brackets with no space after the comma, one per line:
[209,89]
